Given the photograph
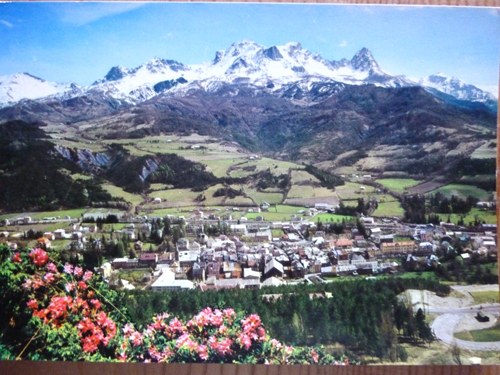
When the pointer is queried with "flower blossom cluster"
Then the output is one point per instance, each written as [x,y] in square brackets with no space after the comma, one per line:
[66,295]
[78,304]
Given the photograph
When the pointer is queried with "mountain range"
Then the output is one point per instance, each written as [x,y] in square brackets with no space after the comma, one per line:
[287,71]
[283,102]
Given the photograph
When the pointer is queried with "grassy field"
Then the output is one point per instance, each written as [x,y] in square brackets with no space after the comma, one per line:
[74,214]
[119,192]
[270,216]
[482,335]
[485,297]
[353,190]
[489,217]
[301,175]
[262,196]
[329,218]
[398,185]
[177,197]
[462,191]
[297,191]
[220,167]
[485,151]
[389,209]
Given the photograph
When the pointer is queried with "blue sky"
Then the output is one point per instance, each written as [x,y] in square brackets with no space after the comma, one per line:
[80,42]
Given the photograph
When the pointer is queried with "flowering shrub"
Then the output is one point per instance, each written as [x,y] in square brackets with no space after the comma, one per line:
[62,312]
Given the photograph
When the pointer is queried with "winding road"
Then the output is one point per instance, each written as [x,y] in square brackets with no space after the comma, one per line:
[458,314]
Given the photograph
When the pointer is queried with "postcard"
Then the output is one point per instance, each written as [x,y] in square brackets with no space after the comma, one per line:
[248,183]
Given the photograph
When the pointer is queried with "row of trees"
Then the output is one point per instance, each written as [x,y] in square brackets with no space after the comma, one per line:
[421,209]
[365,316]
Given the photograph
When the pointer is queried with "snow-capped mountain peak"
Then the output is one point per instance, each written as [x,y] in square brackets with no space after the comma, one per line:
[363,61]
[116,73]
[18,86]
[455,87]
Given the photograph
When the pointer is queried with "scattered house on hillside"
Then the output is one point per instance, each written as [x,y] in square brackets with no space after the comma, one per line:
[386,238]
[148,260]
[397,247]
[77,236]
[59,234]
[322,206]
[145,229]
[273,268]
[187,258]
[218,284]
[198,271]
[51,236]
[231,270]
[249,273]
[166,259]
[182,244]
[375,232]
[125,263]
[238,228]
[105,270]
[195,246]
[343,244]
[272,281]
[138,246]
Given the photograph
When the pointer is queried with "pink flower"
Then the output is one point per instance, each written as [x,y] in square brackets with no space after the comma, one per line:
[68,268]
[87,275]
[128,329]
[37,283]
[176,325]
[217,319]
[136,338]
[225,346]
[244,340]
[82,285]
[182,340]
[314,356]
[203,352]
[39,257]
[250,323]
[28,283]
[78,271]
[49,278]
[96,303]
[51,267]
[69,287]
[33,304]
[276,344]
[222,329]
[262,334]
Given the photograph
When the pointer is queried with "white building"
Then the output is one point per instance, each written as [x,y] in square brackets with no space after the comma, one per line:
[167,281]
